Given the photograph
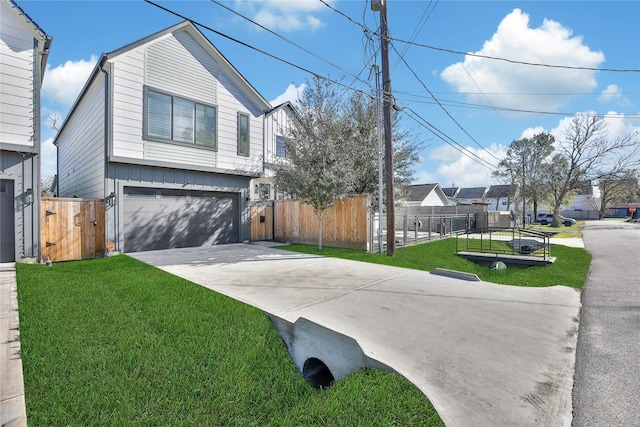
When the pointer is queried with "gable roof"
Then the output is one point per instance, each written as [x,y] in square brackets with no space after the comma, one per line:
[418,193]
[450,191]
[288,105]
[471,193]
[38,33]
[184,25]
[188,26]
[499,191]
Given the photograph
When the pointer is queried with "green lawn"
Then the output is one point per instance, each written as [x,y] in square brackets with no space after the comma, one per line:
[570,268]
[116,342]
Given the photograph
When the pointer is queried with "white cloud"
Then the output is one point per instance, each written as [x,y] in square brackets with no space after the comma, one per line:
[281,15]
[63,83]
[611,93]
[291,94]
[531,132]
[523,86]
[465,170]
[426,177]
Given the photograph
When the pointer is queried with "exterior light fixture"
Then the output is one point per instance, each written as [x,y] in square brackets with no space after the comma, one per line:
[28,197]
[110,200]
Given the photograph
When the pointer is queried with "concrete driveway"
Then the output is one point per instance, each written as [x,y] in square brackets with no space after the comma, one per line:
[484,354]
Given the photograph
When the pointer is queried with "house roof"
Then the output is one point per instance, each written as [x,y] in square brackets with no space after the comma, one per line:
[418,193]
[450,191]
[471,193]
[498,191]
[39,33]
[194,31]
[184,25]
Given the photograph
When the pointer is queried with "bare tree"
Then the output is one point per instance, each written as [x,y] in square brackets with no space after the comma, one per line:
[585,150]
[617,187]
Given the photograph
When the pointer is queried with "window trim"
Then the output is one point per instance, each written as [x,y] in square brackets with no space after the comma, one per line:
[239,124]
[284,147]
[145,120]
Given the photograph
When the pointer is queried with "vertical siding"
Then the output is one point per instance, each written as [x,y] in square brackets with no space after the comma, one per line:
[178,64]
[18,89]
[231,101]
[278,123]
[81,146]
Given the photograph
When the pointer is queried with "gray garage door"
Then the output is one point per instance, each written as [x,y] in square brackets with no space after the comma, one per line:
[163,219]
[7,222]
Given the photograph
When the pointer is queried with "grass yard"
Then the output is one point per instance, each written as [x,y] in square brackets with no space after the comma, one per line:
[116,342]
[570,268]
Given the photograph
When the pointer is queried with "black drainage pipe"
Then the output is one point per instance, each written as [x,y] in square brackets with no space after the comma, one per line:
[317,373]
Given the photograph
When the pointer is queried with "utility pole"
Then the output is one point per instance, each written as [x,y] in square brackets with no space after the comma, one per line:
[524,202]
[381,5]
[380,158]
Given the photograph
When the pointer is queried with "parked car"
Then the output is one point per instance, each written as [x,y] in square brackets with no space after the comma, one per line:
[546,218]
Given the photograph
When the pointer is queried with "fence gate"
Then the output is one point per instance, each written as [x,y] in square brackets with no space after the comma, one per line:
[72,229]
[261,221]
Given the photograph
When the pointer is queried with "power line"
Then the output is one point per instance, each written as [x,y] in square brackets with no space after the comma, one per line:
[440,104]
[507,109]
[513,61]
[277,58]
[291,42]
[477,55]
[447,139]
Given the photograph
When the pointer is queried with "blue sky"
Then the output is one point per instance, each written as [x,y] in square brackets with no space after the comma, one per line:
[482,104]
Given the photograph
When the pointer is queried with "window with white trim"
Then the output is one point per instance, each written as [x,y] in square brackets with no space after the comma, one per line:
[281,146]
[243,134]
[169,118]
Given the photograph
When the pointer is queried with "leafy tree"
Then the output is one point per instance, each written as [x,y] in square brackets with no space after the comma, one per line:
[333,149]
[314,170]
[585,151]
[527,157]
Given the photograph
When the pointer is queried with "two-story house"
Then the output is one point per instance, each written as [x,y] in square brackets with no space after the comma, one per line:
[170,134]
[24,48]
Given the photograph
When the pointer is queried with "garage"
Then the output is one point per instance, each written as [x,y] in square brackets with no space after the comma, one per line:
[7,222]
[167,218]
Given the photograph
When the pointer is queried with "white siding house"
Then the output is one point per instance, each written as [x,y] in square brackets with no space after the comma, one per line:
[24,48]
[278,122]
[170,134]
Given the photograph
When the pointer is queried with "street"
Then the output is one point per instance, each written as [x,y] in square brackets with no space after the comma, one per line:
[607,375]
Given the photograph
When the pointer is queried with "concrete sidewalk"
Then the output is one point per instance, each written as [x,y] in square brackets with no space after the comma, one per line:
[12,404]
[484,354]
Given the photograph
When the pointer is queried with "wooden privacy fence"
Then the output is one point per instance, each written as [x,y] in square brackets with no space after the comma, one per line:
[72,229]
[346,223]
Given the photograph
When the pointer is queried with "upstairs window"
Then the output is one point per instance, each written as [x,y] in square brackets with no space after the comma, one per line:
[243,134]
[169,118]
[281,147]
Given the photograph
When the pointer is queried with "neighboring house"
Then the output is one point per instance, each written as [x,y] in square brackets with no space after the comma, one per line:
[623,210]
[278,122]
[170,134]
[24,48]
[468,196]
[426,195]
[584,200]
[501,197]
